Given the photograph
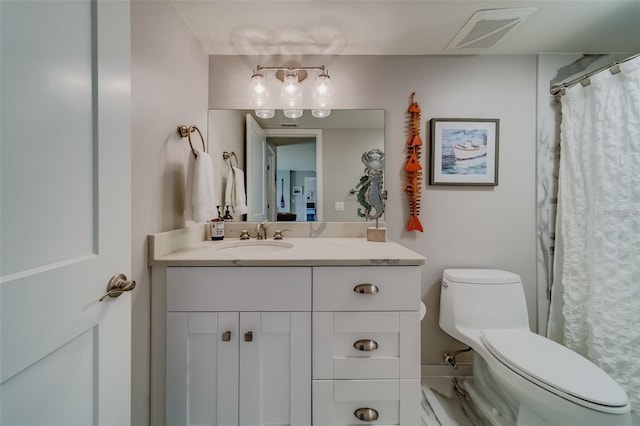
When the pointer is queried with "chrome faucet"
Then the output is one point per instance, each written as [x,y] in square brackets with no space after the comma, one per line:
[261,230]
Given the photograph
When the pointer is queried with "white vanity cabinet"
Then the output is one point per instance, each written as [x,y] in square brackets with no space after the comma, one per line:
[366,345]
[324,332]
[238,345]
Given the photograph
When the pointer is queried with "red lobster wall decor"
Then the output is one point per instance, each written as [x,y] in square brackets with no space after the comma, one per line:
[413,167]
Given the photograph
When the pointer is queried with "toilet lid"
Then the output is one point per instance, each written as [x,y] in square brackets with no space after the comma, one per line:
[480,276]
[555,367]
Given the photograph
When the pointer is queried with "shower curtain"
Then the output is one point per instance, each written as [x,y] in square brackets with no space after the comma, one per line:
[595,306]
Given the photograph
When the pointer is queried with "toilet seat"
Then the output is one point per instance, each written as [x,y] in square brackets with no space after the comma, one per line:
[556,369]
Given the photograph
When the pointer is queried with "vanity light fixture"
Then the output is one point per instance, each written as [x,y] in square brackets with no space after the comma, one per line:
[290,91]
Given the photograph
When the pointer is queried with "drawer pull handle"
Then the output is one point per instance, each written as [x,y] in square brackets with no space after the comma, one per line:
[366,289]
[366,414]
[248,336]
[366,345]
[226,336]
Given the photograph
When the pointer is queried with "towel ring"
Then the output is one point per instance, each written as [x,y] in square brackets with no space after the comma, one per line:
[185,132]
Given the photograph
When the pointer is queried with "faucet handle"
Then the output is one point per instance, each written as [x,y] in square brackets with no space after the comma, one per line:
[277,234]
[244,234]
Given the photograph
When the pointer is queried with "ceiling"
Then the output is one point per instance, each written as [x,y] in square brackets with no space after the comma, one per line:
[418,27]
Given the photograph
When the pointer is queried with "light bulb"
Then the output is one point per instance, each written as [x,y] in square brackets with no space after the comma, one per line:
[258,93]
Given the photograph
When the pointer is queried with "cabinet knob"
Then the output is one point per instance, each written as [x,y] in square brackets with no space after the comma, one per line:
[366,414]
[248,336]
[366,289]
[366,345]
[226,336]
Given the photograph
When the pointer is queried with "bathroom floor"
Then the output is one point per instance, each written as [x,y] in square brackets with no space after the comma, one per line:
[443,406]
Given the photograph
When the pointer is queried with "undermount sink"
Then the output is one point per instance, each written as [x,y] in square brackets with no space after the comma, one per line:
[254,247]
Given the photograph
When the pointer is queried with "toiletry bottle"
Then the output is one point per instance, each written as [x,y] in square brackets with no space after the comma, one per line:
[217,227]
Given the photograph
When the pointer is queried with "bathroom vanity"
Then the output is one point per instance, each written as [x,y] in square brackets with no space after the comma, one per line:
[302,331]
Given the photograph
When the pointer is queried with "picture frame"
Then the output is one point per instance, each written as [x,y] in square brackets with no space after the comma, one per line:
[464,151]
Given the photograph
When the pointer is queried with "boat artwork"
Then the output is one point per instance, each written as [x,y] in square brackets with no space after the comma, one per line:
[469,149]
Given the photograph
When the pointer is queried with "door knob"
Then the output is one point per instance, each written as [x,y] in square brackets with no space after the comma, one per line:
[248,336]
[226,336]
[118,284]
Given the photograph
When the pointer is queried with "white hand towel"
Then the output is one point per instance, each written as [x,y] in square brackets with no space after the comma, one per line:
[201,202]
[235,195]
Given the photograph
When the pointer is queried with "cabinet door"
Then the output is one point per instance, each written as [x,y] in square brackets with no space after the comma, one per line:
[202,368]
[275,368]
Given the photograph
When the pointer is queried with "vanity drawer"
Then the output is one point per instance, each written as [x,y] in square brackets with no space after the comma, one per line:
[394,288]
[389,345]
[396,402]
[238,289]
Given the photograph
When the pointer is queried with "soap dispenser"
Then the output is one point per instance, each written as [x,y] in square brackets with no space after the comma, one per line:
[217,227]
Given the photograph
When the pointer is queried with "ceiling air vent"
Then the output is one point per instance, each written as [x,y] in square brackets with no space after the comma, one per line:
[487,27]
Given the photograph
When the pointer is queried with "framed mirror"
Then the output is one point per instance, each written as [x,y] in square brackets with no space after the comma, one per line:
[299,169]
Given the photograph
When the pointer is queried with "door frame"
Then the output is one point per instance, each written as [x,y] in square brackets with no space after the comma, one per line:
[313,133]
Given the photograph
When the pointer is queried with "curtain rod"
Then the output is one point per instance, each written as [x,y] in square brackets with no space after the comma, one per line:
[558,89]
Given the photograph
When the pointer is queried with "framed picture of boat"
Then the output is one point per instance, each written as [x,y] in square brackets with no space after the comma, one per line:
[464,151]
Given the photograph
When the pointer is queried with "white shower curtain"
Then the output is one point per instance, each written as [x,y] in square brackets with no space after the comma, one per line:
[595,307]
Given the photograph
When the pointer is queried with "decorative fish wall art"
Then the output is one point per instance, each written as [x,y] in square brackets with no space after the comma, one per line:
[413,167]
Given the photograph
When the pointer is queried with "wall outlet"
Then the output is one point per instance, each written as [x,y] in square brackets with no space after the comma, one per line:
[339,207]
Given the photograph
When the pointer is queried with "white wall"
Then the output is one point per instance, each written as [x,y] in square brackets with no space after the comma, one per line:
[298,156]
[169,87]
[463,226]
[341,148]
[229,138]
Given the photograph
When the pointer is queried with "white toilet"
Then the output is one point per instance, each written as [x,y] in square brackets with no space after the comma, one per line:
[519,377]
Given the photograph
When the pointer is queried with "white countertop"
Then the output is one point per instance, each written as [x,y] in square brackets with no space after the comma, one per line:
[351,251]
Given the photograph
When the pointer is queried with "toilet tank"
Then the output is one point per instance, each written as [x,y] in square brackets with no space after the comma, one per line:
[479,299]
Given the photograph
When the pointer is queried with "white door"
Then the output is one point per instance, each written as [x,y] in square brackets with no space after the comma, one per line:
[65,217]
[257,175]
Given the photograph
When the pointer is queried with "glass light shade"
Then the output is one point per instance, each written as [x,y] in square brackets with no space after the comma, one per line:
[290,94]
[322,92]
[292,113]
[320,113]
[258,93]
[265,113]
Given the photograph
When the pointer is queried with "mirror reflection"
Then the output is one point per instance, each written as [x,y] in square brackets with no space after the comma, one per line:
[300,169]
